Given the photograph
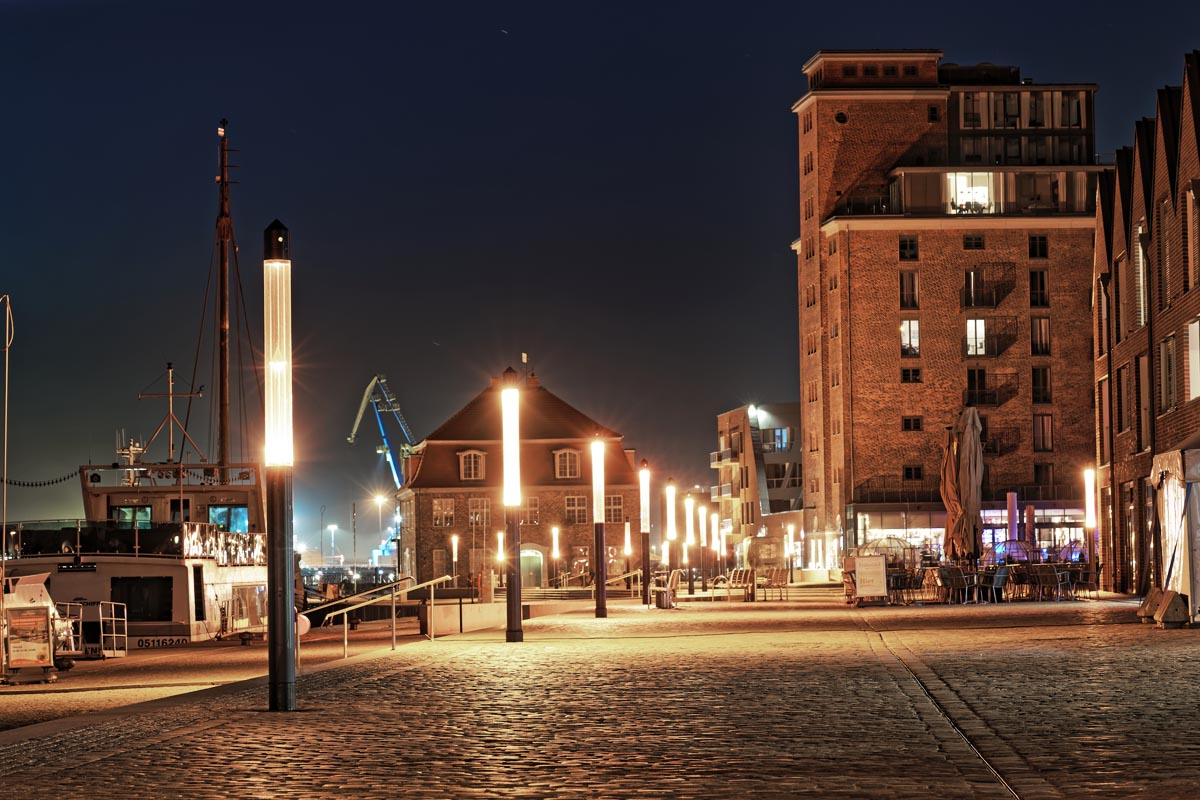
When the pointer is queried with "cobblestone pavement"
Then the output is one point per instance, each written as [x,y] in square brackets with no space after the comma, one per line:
[765,700]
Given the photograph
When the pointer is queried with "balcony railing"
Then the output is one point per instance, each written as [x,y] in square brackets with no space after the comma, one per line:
[1002,334]
[892,489]
[997,390]
[1057,492]
[1001,441]
[720,457]
[714,493]
[993,283]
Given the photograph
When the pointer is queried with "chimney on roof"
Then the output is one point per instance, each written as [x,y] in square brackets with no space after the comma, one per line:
[532,381]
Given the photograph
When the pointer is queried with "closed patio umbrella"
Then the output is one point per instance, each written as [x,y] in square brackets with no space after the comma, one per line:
[952,544]
[970,480]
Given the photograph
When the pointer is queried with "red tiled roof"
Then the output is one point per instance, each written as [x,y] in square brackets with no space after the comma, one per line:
[544,415]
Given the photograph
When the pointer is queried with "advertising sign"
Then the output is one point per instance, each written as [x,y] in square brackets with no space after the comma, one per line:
[29,642]
[870,576]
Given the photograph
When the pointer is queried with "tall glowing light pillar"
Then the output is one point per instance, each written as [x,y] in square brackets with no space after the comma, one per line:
[555,553]
[670,493]
[1089,519]
[716,543]
[702,514]
[644,527]
[689,540]
[601,554]
[791,552]
[454,557]
[510,407]
[279,459]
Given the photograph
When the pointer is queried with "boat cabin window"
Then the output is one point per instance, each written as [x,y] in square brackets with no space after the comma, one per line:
[187,509]
[235,519]
[130,516]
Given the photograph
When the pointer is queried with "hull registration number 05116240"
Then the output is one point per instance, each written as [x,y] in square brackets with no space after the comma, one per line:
[162,642]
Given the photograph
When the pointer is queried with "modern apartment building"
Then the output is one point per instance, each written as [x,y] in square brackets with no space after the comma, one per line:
[1147,328]
[759,487]
[944,261]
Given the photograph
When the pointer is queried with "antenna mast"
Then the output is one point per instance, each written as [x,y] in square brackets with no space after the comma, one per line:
[226,243]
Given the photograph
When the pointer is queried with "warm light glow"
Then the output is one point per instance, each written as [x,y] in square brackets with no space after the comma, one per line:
[454,548]
[380,500]
[666,559]
[1089,496]
[671,533]
[628,540]
[554,543]
[689,526]
[644,507]
[277,352]
[597,481]
[702,513]
[791,544]
[716,534]
[684,559]
[510,400]
[499,545]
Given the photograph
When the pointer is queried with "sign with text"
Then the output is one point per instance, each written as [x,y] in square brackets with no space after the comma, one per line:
[29,642]
[870,576]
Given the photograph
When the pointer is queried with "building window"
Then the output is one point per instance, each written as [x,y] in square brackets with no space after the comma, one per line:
[808,163]
[1139,278]
[910,375]
[443,513]
[840,118]
[973,242]
[471,465]
[910,338]
[909,297]
[1041,384]
[529,510]
[1039,336]
[1193,356]
[1039,247]
[832,245]
[835,376]
[870,70]
[1043,474]
[910,70]
[1043,433]
[1039,292]
[908,248]
[1122,389]
[614,508]
[914,472]
[976,341]
[1166,375]
[1191,242]
[566,464]
[833,282]
[577,509]
[934,114]
[911,423]
[479,512]
[850,70]
[889,70]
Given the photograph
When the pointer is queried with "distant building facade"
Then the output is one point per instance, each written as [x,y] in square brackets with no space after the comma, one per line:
[456,476]
[759,488]
[1147,326]
[944,261]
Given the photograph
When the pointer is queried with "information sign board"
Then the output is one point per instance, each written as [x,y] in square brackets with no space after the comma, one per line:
[29,643]
[870,576]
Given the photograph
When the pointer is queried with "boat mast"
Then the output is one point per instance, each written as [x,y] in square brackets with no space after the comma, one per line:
[226,244]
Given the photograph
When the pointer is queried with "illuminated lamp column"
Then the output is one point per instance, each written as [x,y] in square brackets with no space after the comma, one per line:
[644,527]
[1089,519]
[702,514]
[555,553]
[716,543]
[791,553]
[279,459]
[600,556]
[454,557]
[670,493]
[689,527]
[510,406]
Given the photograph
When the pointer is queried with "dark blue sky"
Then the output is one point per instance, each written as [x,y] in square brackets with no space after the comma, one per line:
[610,187]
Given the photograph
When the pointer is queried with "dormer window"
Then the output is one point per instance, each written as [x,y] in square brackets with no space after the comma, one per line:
[472,465]
[566,464]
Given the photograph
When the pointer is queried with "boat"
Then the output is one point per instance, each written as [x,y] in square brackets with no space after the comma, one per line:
[181,542]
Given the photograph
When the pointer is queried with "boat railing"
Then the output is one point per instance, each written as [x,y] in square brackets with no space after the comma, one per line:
[146,475]
[89,538]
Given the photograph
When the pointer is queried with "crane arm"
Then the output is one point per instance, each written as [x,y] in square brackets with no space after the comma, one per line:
[362,408]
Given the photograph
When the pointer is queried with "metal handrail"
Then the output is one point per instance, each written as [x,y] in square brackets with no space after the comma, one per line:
[635,585]
[394,587]
[363,593]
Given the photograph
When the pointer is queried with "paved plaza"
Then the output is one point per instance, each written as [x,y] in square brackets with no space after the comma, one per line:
[711,700]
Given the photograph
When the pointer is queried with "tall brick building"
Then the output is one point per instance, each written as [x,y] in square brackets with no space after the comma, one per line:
[1147,323]
[456,475]
[944,261]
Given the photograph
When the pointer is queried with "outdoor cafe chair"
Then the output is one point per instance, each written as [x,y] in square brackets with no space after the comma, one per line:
[998,583]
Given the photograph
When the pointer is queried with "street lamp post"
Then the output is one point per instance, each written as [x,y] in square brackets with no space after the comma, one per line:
[1089,519]
[454,557]
[716,542]
[601,555]
[510,408]
[791,552]
[644,527]
[689,507]
[702,513]
[555,554]
[280,458]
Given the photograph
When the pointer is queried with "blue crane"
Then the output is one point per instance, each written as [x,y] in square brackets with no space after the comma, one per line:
[384,402]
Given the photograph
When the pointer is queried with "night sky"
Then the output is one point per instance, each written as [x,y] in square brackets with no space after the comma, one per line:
[610,187]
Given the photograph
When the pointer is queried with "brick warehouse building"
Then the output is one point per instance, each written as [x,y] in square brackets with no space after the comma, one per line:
[1147,323]
[456,475]
[944,260]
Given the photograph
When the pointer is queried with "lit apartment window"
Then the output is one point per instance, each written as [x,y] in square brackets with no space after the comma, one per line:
[1043,432]
[909,297]
[1039,336]
[529,510]
[1039,247]
[1039,291]
[914,472]
[910,338]
[443,513]
[471,465]
[911,423]
[1193,356]
[566,464]
[973,242]
[577,509]
[479,512]
[976,337]
[1041,384]
[908,248]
